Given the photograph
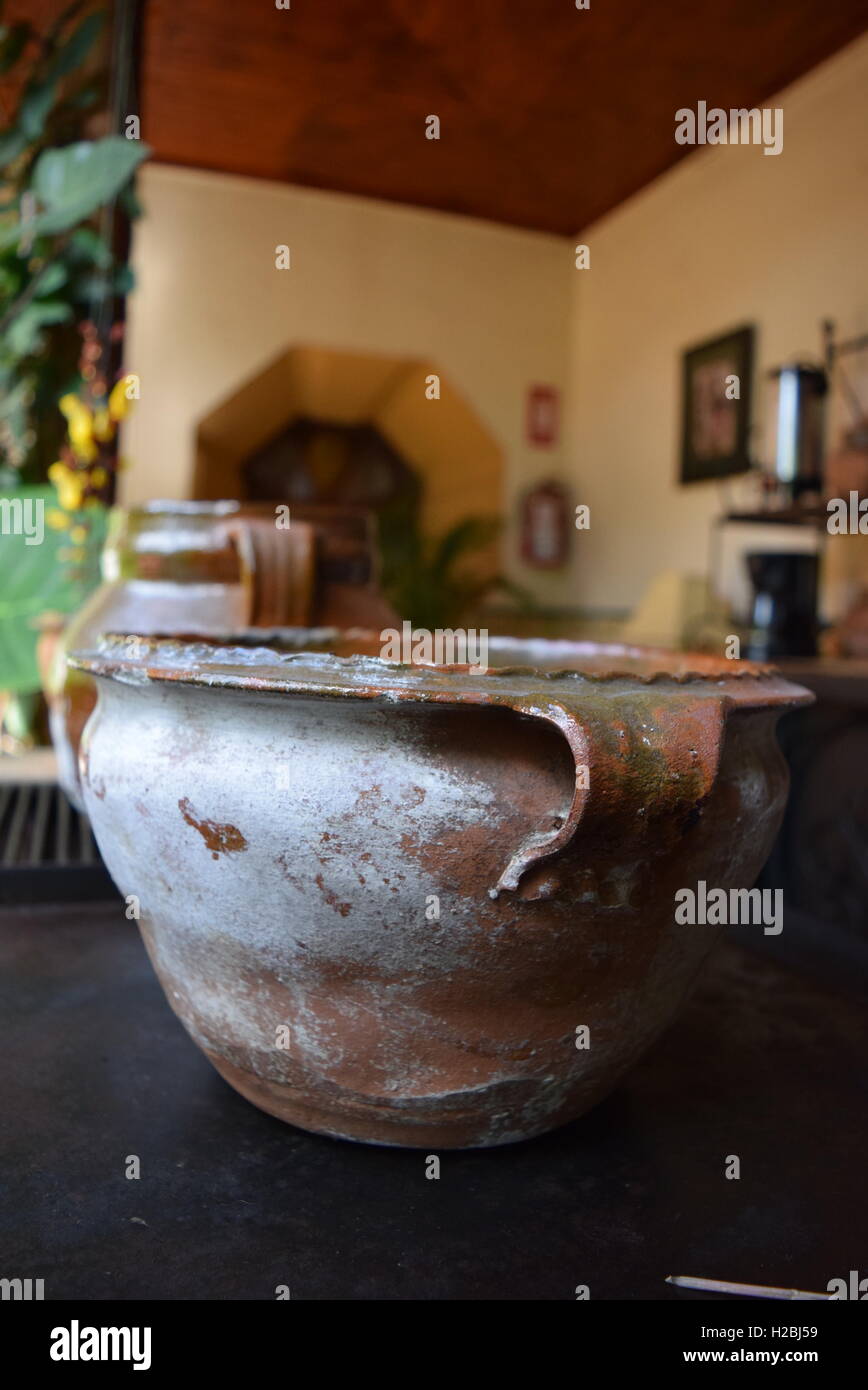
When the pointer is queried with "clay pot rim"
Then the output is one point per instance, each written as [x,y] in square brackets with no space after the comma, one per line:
[297,660]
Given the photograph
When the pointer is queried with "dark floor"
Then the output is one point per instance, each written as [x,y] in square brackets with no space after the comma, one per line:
[763,1064]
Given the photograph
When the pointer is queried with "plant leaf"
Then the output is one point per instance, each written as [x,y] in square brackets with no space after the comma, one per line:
[474,533]
[73,182]
[51,279]
[86,96]
[40,95]
[13,40]
[86,245]
[14,399]
[34,578]
[35,106]
[124,280]
[11,277]
[76,48]
[12,144]
[24,334]
[130,203]
[63,19]
[93,287]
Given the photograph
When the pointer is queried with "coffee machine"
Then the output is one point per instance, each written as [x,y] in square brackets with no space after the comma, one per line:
[784,609]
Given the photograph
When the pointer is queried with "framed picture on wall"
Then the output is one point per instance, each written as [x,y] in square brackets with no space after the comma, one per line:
[717,378]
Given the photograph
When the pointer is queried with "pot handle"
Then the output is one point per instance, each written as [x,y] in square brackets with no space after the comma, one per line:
[645,766]
[277,568]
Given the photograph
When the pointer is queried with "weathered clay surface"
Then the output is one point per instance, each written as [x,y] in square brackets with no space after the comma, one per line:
[286,818]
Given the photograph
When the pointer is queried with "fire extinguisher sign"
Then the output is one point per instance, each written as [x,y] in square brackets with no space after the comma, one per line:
[543,411]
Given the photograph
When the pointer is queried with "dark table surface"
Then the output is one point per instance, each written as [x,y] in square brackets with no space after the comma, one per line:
[764,1064]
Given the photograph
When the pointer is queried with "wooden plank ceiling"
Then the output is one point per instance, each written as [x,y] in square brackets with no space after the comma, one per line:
[550,116]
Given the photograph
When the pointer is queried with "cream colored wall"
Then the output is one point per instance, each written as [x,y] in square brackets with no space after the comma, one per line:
[489,305]
[728,237]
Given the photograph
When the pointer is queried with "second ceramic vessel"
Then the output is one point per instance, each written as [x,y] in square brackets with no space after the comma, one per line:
[201,567]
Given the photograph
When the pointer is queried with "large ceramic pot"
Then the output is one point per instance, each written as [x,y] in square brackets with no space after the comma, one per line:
[384,898]
[207,567]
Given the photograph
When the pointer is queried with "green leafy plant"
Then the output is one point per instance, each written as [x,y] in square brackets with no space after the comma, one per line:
[56,263]
[36,580]
[431,584]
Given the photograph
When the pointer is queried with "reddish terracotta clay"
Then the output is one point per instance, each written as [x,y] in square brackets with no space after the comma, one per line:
[206,566]
[383,898]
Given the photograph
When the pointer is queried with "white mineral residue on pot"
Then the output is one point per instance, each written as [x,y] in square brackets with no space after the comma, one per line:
[181,756]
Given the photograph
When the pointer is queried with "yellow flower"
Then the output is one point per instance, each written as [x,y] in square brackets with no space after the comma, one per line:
[119,402]
[70,497]
[70,486]
[58,521]
[103,426]
[78,535]
[80,426]
[71,407]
